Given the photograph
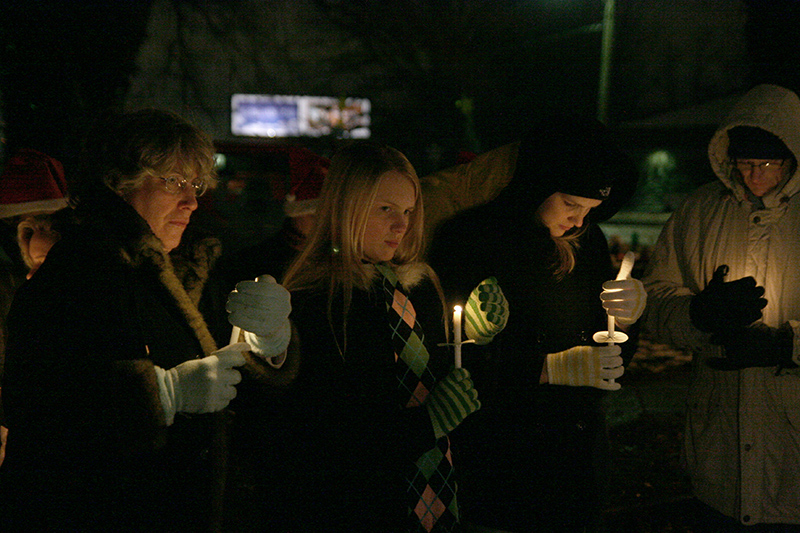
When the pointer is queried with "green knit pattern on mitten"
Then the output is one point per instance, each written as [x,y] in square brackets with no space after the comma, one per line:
[486,312]
[451,401]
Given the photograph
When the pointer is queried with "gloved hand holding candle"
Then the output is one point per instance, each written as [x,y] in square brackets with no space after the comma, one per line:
[203,385]
[261,309]
[586,366]
[624,298]
[452,400]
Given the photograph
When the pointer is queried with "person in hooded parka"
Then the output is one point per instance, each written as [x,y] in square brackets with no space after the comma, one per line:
[723,283]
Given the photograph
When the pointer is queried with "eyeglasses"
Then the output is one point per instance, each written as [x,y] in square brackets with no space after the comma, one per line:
[175,184]
[770,166]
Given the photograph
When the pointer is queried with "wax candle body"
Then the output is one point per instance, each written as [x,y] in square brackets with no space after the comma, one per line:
[457,334]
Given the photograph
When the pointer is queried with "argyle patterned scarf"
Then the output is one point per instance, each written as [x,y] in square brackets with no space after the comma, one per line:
[432,488]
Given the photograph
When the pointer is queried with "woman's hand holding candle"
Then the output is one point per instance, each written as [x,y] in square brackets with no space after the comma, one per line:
[625,297]
[586,366]
[621,297]
[261,309]
[624,300]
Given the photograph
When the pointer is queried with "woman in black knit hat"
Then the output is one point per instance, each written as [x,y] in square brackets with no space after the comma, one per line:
[533,457]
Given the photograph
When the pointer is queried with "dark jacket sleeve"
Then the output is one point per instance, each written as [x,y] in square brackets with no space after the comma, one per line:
[74,332]
[461,254]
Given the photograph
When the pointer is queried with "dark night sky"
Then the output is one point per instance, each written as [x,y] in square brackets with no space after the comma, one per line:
[771,34]
[62,61]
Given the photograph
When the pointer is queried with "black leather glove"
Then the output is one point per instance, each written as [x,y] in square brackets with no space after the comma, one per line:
[755,346]
[727,305]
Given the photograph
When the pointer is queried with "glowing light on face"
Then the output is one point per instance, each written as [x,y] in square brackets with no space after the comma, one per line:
[389,217]
[36,237]
[761,175]
[561,212]
[167,214]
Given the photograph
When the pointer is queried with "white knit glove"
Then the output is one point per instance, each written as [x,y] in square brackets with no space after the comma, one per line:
[624,300]
[201,385]
[261,309]
[589,366]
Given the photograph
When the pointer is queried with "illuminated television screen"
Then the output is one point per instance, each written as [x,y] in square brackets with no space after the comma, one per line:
[258,115]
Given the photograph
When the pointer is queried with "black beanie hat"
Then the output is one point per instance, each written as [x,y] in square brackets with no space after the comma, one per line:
[749,142]
[570,154]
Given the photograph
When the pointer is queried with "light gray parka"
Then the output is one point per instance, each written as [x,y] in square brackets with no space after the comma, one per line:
[742,439]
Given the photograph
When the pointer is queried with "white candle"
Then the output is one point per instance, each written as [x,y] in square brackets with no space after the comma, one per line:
[457,334]
[610,330]
[235,335]
[624,271]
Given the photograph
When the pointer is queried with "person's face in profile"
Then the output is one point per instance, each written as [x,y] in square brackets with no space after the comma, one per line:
[36,237]
[562,212]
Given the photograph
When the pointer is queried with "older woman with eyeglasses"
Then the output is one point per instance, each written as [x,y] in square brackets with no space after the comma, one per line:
[114,387]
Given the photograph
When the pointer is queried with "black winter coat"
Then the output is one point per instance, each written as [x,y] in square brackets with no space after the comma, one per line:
[532,457]
[88,446]
[341,443]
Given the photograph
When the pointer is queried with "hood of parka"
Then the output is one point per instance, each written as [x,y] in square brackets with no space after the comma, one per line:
[771,108]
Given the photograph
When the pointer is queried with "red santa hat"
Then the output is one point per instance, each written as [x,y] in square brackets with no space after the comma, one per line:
[307,173]
[32,182]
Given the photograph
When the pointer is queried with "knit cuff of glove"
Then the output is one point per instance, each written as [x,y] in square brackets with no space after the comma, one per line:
[438,430]
[272,348]
[485,336]
[563,370]
[166,393]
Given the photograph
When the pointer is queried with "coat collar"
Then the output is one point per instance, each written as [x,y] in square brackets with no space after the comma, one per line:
[409,275]
[109,214]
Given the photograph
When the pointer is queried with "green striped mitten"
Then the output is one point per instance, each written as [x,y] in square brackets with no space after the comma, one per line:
[452,400]
[486,312]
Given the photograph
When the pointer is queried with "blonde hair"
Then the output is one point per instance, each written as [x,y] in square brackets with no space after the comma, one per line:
[121,151]
[567,246]
[333,257]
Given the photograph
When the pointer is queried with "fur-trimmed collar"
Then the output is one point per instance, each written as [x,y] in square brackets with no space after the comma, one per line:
[410,275]
[183,273]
